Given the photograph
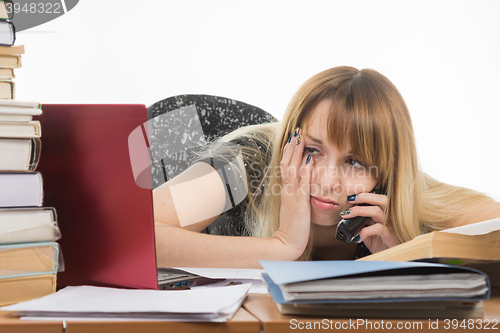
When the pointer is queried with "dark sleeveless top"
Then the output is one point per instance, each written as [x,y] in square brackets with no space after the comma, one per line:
[232,221]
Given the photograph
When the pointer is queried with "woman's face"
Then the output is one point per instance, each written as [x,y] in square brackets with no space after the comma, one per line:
[336,174]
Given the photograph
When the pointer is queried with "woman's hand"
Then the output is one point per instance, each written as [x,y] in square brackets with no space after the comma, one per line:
[295,212]
[376,236]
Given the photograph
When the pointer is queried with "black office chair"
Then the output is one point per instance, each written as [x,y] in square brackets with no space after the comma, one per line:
[217,115]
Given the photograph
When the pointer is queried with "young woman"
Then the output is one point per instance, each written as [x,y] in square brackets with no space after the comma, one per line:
[344,132]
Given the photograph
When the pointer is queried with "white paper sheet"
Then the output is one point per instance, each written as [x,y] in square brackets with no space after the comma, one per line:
[257,287]
[226,273]
[207,304]
[476,228]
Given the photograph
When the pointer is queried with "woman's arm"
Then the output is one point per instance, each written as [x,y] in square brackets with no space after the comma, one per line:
[176,247]
[192,200]
[177,227]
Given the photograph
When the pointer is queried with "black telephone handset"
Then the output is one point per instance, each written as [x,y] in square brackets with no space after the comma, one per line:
[348,228]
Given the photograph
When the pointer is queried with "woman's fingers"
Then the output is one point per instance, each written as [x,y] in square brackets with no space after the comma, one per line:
[305,177]
[287,154]
[292,157]
[375,212]
[380,200]
[377,237]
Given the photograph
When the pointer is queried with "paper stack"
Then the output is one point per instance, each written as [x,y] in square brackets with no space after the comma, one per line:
[212,304]
[376,289]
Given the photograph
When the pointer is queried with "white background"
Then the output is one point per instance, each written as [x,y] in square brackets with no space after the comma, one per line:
[442,55]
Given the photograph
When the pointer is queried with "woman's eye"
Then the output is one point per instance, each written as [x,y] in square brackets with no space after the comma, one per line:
[355,163]
[311,150]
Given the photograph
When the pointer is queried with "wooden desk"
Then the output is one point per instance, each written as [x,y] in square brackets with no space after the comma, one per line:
[263,308]
[15,325]
[258,311]
[241,322]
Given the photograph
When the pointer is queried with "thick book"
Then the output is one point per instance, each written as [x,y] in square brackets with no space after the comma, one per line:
[7,89]
[22,104]
[9,50]
[475,245]
[7,33]
[14,117]
[29,129]
[19,154]
[25,288]
[28,259]
[367,287]
[14,111]
[27,225]
[22,189]
[7,74]
[10,61]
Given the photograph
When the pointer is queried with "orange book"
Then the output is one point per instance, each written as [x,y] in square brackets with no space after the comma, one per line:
[24,288]
[29,258]
[15,49]
[10,61]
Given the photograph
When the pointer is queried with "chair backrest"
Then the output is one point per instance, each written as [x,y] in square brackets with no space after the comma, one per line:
[217,115]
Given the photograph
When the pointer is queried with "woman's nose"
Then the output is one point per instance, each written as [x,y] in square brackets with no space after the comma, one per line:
[327,178]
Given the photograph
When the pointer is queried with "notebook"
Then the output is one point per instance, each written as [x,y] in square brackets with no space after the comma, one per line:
[106,220]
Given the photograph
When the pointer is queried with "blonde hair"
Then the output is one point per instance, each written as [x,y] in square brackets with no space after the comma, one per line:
[369,114]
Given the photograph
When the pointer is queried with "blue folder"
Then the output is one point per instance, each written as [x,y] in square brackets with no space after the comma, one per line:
[282,272]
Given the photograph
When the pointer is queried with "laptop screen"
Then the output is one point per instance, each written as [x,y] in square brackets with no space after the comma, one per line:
[106,220]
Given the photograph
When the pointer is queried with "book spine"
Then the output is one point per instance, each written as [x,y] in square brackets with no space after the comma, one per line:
[31,129]
[11,50]
[27,259]
[21,105]
[19,189]
[36,147]
[7,73]
[20,110]
[10,39]
[7,89]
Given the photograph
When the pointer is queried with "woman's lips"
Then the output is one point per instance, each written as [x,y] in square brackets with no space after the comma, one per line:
[323,205]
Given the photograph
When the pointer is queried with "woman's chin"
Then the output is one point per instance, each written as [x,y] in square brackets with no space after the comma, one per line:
[324,220]
[325,223]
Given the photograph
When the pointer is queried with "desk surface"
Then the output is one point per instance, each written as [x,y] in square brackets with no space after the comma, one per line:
[258,311]
[263,308]
[241,322]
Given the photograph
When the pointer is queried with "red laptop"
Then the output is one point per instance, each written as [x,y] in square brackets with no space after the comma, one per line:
[106,220]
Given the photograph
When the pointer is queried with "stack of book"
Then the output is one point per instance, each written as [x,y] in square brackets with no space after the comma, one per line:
[10,56]
[29,255]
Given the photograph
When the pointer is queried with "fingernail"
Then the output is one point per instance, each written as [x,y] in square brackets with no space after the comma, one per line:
[298,139]
[345,212]
[356,239]
[297,130]
[352,197]
[308,159]
[289,139]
